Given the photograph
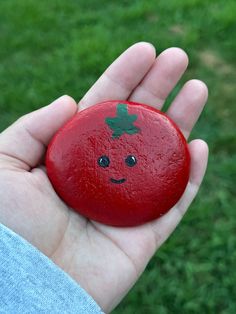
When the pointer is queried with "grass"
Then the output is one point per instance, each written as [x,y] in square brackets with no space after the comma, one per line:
[50,48]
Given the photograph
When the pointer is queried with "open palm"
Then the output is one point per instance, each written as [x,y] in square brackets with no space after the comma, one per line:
[106,261]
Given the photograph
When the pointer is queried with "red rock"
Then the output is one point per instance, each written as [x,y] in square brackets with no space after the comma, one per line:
[119,163]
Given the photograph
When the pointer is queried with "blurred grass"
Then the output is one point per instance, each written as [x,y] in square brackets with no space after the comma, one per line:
[50,48]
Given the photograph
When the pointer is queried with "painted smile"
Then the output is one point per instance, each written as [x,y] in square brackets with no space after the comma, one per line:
[117,181]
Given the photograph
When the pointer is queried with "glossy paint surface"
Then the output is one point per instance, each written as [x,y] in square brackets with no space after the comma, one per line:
[119,176]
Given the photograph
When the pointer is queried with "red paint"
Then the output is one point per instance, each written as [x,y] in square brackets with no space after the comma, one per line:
[152,186]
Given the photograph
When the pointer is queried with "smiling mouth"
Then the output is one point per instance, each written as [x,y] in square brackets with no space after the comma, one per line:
[117,181]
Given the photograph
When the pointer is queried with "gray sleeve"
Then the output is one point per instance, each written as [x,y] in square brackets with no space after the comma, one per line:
[31,283]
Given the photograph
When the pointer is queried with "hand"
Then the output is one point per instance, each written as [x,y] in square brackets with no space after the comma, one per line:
[106,261]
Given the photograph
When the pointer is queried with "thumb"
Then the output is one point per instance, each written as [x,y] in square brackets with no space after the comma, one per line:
[24,142]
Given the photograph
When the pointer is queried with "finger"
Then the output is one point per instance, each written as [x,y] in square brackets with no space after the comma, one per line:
[162,78]
[165,225]
[122,76]
[25,141]
[188,105]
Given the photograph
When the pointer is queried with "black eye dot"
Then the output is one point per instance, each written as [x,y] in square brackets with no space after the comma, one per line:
[103,161]
[130,161]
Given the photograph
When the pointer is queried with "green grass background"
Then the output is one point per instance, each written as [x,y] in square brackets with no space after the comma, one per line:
[50,48]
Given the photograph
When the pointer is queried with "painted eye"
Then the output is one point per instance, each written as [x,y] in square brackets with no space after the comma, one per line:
[130,161]
[103,161]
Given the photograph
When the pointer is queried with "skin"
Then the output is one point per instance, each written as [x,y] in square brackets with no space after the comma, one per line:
[95,255]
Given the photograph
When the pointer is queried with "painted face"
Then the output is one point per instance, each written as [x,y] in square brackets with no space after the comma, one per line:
[119,163]
[104,162]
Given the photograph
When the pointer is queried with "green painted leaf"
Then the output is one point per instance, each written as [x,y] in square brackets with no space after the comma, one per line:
[123,122]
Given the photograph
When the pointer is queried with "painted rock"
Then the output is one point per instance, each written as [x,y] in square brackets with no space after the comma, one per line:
[119,163]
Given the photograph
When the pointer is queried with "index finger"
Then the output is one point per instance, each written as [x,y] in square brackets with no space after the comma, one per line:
[122,76]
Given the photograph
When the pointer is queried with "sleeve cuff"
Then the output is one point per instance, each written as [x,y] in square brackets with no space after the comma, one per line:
[31,283]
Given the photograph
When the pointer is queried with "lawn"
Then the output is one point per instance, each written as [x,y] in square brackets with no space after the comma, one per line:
[50,48]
